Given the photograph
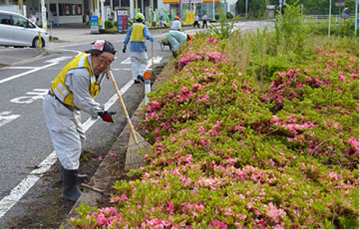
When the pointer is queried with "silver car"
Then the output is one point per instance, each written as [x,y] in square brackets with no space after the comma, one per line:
[16,30]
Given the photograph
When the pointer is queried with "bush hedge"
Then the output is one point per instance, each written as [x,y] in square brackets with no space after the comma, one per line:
[230,154]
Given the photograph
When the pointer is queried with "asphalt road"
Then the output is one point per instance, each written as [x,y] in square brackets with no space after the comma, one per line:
[24,138]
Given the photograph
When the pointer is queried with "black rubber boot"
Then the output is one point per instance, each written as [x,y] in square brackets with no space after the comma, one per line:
[140,77]
[70,190]
[79,178]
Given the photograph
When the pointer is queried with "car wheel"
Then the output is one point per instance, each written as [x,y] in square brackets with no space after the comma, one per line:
[35,43]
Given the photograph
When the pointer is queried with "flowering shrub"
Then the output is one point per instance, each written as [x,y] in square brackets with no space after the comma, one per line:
[228,155]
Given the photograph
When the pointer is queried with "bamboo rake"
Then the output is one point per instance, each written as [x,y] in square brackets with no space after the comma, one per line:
[137,142]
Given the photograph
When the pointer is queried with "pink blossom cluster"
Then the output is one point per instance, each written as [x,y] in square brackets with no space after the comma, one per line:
[213,40]
[211,56]
[108,217]
[294,125]
[290,85]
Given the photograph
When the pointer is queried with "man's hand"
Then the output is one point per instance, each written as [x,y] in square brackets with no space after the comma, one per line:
[106,116]
[124,49]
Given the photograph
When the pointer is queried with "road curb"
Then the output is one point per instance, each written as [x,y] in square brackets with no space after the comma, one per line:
[9,56]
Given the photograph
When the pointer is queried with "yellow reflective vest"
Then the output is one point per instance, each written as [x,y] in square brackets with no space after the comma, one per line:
[137,33]
[59,88]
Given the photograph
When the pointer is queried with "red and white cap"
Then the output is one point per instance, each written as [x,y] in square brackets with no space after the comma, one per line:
[100,46]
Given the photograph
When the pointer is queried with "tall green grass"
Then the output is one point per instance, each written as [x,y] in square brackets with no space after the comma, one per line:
[292,43]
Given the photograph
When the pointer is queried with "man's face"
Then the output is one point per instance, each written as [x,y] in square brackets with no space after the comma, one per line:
[101,62]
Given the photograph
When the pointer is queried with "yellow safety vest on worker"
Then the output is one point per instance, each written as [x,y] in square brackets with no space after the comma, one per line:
[59,88]
[137,33]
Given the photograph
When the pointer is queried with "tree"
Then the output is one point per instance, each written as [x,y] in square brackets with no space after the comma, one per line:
[256,8]
[318,7]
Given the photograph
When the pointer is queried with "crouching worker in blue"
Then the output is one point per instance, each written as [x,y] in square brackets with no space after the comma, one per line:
[177,39]
[138,55]
[72,91]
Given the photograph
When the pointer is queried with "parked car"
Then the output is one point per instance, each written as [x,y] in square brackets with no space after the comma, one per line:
[16,30]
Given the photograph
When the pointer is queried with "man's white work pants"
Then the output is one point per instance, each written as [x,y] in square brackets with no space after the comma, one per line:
[138,64]
[66,132]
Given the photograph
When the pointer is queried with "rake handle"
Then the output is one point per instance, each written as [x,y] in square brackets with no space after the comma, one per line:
[123,106]
[152,57]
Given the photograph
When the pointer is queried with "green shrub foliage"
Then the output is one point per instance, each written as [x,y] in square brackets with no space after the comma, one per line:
[232,149]
[108,25]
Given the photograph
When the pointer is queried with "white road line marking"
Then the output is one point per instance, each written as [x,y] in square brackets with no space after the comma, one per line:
[156,59]
[120,69]
[26,184]
[19,67]
[7,117]
[35,69]
[59,59]
[127,61]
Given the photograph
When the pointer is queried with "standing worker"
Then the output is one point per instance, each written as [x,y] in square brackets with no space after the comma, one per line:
[177,39]
[204,19]
[138,51]
[176,24]
[196,21]
[72,91]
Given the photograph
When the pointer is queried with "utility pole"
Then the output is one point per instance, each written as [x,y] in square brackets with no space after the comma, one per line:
[96,8]
[132,14]
[180,10]
[280,5]
[43,15]
[329,19]
[356,15]
[21,7]
[246,8]
[102,14]
[214,10]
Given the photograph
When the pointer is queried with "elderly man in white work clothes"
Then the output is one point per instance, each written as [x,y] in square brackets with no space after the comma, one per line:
[72,91]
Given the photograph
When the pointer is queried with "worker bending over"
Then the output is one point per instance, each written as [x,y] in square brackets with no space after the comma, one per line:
[177,39]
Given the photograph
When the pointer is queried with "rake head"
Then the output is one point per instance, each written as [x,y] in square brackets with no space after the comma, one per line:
[133,158]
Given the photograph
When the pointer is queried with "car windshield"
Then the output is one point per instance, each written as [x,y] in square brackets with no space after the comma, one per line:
[21,22]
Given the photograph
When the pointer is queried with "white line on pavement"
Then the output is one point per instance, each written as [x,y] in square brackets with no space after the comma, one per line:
[26,184]
[35,69]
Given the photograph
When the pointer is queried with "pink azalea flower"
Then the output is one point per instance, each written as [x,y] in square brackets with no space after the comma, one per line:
[273,213]
[311,201]
[355,144]
[155,105]
[171,207]
[218,224]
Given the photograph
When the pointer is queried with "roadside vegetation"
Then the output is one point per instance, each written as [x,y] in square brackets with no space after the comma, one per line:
[248,131]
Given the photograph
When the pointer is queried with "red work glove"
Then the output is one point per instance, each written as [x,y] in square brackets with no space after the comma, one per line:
[106,116]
